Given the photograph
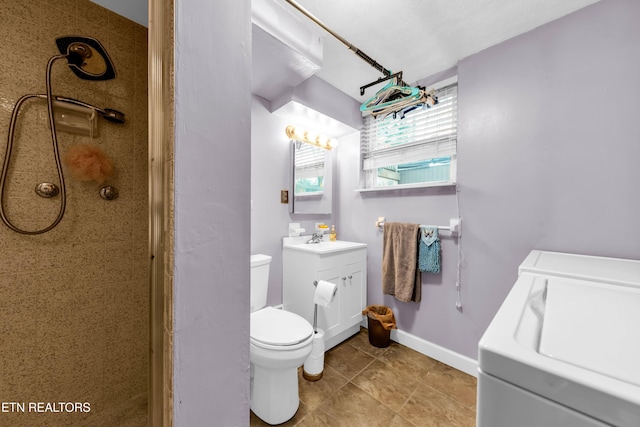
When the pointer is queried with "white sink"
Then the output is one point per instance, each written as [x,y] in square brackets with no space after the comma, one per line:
[324,247]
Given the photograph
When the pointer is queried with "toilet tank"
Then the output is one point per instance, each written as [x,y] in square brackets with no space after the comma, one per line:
[259,280]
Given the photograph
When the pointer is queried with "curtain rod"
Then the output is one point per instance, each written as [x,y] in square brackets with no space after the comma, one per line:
[351,47]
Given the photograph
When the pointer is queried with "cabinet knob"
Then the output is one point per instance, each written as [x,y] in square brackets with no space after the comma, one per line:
[350,277]
[344,278]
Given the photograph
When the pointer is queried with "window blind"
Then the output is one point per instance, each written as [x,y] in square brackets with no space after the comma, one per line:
[309,161]
[424,133]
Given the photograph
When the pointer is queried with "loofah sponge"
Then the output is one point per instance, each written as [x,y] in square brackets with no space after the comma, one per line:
[88,162]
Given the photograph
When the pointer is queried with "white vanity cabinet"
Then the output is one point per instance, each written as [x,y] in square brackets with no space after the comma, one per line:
[342,263]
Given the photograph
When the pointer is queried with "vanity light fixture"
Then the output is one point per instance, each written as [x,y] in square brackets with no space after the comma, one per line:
[296,133]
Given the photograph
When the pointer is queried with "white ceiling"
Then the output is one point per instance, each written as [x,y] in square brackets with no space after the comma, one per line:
[418,37]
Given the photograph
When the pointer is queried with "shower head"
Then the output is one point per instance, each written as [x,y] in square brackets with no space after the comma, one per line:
[87,58]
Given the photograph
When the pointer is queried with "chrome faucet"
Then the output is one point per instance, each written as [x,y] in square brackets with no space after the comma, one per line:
[315,238]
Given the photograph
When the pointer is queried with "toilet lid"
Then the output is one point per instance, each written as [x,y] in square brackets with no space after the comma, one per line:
[278,327]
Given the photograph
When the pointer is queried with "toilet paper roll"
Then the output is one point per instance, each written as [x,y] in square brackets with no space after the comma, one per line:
[314,364]
[325,293]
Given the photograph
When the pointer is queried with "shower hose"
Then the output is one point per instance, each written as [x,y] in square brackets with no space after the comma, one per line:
[56,152]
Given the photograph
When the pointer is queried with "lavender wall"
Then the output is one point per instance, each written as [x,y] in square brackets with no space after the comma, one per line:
[560,104]
[270,169]
[548,151]
[212,190]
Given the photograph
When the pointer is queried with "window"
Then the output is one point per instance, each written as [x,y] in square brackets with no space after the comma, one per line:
[416,150]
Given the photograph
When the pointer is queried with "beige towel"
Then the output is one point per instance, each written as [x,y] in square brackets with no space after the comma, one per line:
[400,273]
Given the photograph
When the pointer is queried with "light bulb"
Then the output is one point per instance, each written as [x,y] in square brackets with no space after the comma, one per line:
[311,136]
[323,140]
[298,132]
[290,130]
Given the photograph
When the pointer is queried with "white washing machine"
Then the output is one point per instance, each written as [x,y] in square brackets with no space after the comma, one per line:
[564,348]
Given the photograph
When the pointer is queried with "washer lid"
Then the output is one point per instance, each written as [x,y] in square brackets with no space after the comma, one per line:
[514,345]
[278,327]
[591,325]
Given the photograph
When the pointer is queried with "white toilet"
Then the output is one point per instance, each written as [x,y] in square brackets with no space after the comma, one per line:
[280,343]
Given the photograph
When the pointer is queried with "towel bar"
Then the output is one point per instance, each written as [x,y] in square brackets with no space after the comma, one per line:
[453,227]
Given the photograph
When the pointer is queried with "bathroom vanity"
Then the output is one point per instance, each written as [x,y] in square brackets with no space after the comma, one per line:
[343,263]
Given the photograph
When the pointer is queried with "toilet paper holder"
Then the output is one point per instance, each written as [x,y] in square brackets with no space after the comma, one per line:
[315,283]
[315,308]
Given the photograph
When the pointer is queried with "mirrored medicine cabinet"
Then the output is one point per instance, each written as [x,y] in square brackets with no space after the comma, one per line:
[311,179]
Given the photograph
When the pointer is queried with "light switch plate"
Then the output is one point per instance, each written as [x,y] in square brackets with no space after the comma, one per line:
[284,196]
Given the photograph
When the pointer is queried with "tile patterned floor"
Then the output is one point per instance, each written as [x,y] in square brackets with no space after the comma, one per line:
[391,387]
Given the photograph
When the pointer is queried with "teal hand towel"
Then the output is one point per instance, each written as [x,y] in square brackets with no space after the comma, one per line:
[429,250]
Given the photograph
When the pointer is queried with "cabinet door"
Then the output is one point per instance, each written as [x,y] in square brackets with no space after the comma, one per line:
[353,293]
[329,317]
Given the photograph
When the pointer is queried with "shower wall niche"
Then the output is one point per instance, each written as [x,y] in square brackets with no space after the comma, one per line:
[74,301]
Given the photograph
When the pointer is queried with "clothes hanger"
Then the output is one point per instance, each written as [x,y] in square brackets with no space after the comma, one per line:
[403,106]
[390,95]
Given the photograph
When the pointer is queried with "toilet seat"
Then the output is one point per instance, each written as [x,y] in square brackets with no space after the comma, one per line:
[272,328]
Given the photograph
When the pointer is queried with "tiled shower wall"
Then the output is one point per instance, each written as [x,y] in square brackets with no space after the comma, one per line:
[73,301]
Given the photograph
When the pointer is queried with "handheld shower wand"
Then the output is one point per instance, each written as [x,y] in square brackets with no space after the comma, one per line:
[88,60]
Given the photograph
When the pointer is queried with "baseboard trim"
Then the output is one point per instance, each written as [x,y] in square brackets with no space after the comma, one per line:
[434,351]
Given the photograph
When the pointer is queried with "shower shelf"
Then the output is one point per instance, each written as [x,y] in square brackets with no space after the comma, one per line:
[75,119]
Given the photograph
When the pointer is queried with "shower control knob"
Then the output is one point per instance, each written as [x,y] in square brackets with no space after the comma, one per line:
[108,193]
[47,189]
